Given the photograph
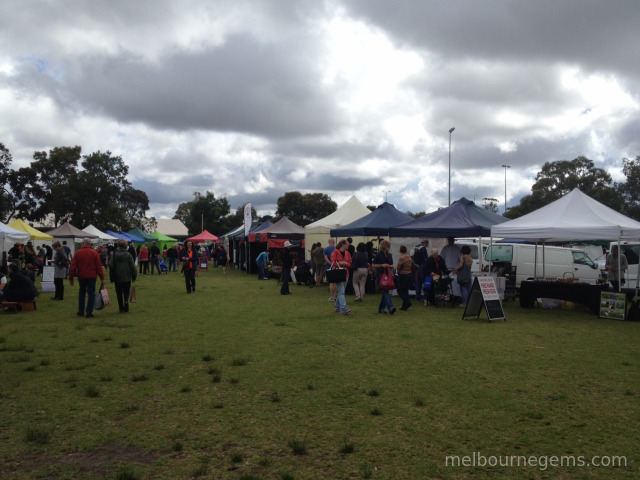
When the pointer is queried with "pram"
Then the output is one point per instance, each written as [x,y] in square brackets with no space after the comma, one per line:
[303,274]
[442,293]
[163,266]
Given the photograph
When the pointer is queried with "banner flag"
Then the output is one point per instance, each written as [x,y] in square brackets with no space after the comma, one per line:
[247,219]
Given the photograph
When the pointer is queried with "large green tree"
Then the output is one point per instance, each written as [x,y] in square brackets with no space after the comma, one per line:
[630,190]
[305,209]
[205,212]
[102,195]
[7,199]
[42,188]
[556,179]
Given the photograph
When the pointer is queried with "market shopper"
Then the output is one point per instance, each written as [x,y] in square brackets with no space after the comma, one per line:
[87,266]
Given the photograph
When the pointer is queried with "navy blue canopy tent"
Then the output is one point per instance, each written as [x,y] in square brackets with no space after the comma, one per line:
[377,223]
[125,236]
[462,218]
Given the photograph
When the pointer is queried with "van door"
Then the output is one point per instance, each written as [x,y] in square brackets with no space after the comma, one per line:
[583,267]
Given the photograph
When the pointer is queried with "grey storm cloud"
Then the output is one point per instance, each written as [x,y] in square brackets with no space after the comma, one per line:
[250,100]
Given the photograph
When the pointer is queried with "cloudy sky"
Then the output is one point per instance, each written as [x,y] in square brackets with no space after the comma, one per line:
[252,99]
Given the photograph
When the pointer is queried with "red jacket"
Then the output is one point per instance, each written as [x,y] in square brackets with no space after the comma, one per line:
[86,264]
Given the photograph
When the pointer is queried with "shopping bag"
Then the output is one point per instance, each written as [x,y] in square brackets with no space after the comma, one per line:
[386,280]
[132,295]
[428,282]
[336,274]
[105,296]
[97,301]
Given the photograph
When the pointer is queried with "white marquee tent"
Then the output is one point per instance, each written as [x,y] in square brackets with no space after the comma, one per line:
[575,216]
[102,237]
[318,231]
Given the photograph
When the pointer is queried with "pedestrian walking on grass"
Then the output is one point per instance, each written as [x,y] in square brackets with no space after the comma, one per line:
[122,271]
[87,266]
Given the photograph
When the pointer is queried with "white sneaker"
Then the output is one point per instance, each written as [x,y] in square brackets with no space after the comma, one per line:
[332,299]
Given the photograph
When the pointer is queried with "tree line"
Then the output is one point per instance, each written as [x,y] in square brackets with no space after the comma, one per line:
[65,185]
[558,178]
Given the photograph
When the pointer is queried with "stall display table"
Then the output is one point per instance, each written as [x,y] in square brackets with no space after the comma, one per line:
[582,293]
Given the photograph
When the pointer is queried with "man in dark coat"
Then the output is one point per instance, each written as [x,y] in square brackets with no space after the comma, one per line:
[287,264]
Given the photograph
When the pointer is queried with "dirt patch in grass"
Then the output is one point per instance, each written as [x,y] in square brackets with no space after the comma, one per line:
[86,460]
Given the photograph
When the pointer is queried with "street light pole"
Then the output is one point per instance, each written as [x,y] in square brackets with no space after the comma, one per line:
[450,132]
[505,185]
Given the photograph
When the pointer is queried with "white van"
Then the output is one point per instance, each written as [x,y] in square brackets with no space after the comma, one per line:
[550,262]
[473,245]
[631,250]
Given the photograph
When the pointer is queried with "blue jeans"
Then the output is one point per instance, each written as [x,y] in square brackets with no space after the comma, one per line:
[261,274]
[341,302]
[286,275]
[385,301]
[87,287]
[465,291]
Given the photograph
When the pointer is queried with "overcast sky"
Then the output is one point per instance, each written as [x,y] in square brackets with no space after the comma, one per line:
[252,99]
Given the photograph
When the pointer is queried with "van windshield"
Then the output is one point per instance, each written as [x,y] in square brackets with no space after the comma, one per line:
[499,253]
[581,258]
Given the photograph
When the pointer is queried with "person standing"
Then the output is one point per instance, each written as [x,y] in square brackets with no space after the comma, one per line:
[133,252]
[451,254]
[405,277]
[122,272]
[318,259]
[360,270]
[87,266]
[287,265]
[143,259]
[263,261]
[60,264]
[342,258]
[189,257]
[381,262]
[419,258]
[328,251]
[154,257]
[172,255]
[615,275]
[463,273]
[222,259]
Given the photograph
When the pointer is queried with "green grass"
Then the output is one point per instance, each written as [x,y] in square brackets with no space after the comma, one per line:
[238,381]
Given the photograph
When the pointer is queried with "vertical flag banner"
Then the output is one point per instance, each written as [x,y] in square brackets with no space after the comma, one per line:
[247,219]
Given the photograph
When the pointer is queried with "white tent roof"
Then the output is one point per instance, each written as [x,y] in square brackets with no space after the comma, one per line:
[172,227]
[91,230]
[350,211]
[575,216]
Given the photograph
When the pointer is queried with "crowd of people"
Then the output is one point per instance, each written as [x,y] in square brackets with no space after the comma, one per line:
[123,261]
[364,267]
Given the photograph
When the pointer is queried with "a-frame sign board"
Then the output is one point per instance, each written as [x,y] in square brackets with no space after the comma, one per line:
[484,293]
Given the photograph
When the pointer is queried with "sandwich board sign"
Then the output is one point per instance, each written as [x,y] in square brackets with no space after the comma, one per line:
[484,293]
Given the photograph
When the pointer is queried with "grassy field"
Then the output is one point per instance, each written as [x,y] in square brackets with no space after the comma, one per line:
[239,382]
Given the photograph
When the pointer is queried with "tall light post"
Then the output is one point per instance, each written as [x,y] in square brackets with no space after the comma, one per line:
[505,185]
[450,132]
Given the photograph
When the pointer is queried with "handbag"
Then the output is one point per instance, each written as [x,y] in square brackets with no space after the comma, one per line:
[386,280]
[336,274]
[105,296]
[132,295]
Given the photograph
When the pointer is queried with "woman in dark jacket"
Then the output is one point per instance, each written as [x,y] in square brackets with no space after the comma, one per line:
[122,270]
